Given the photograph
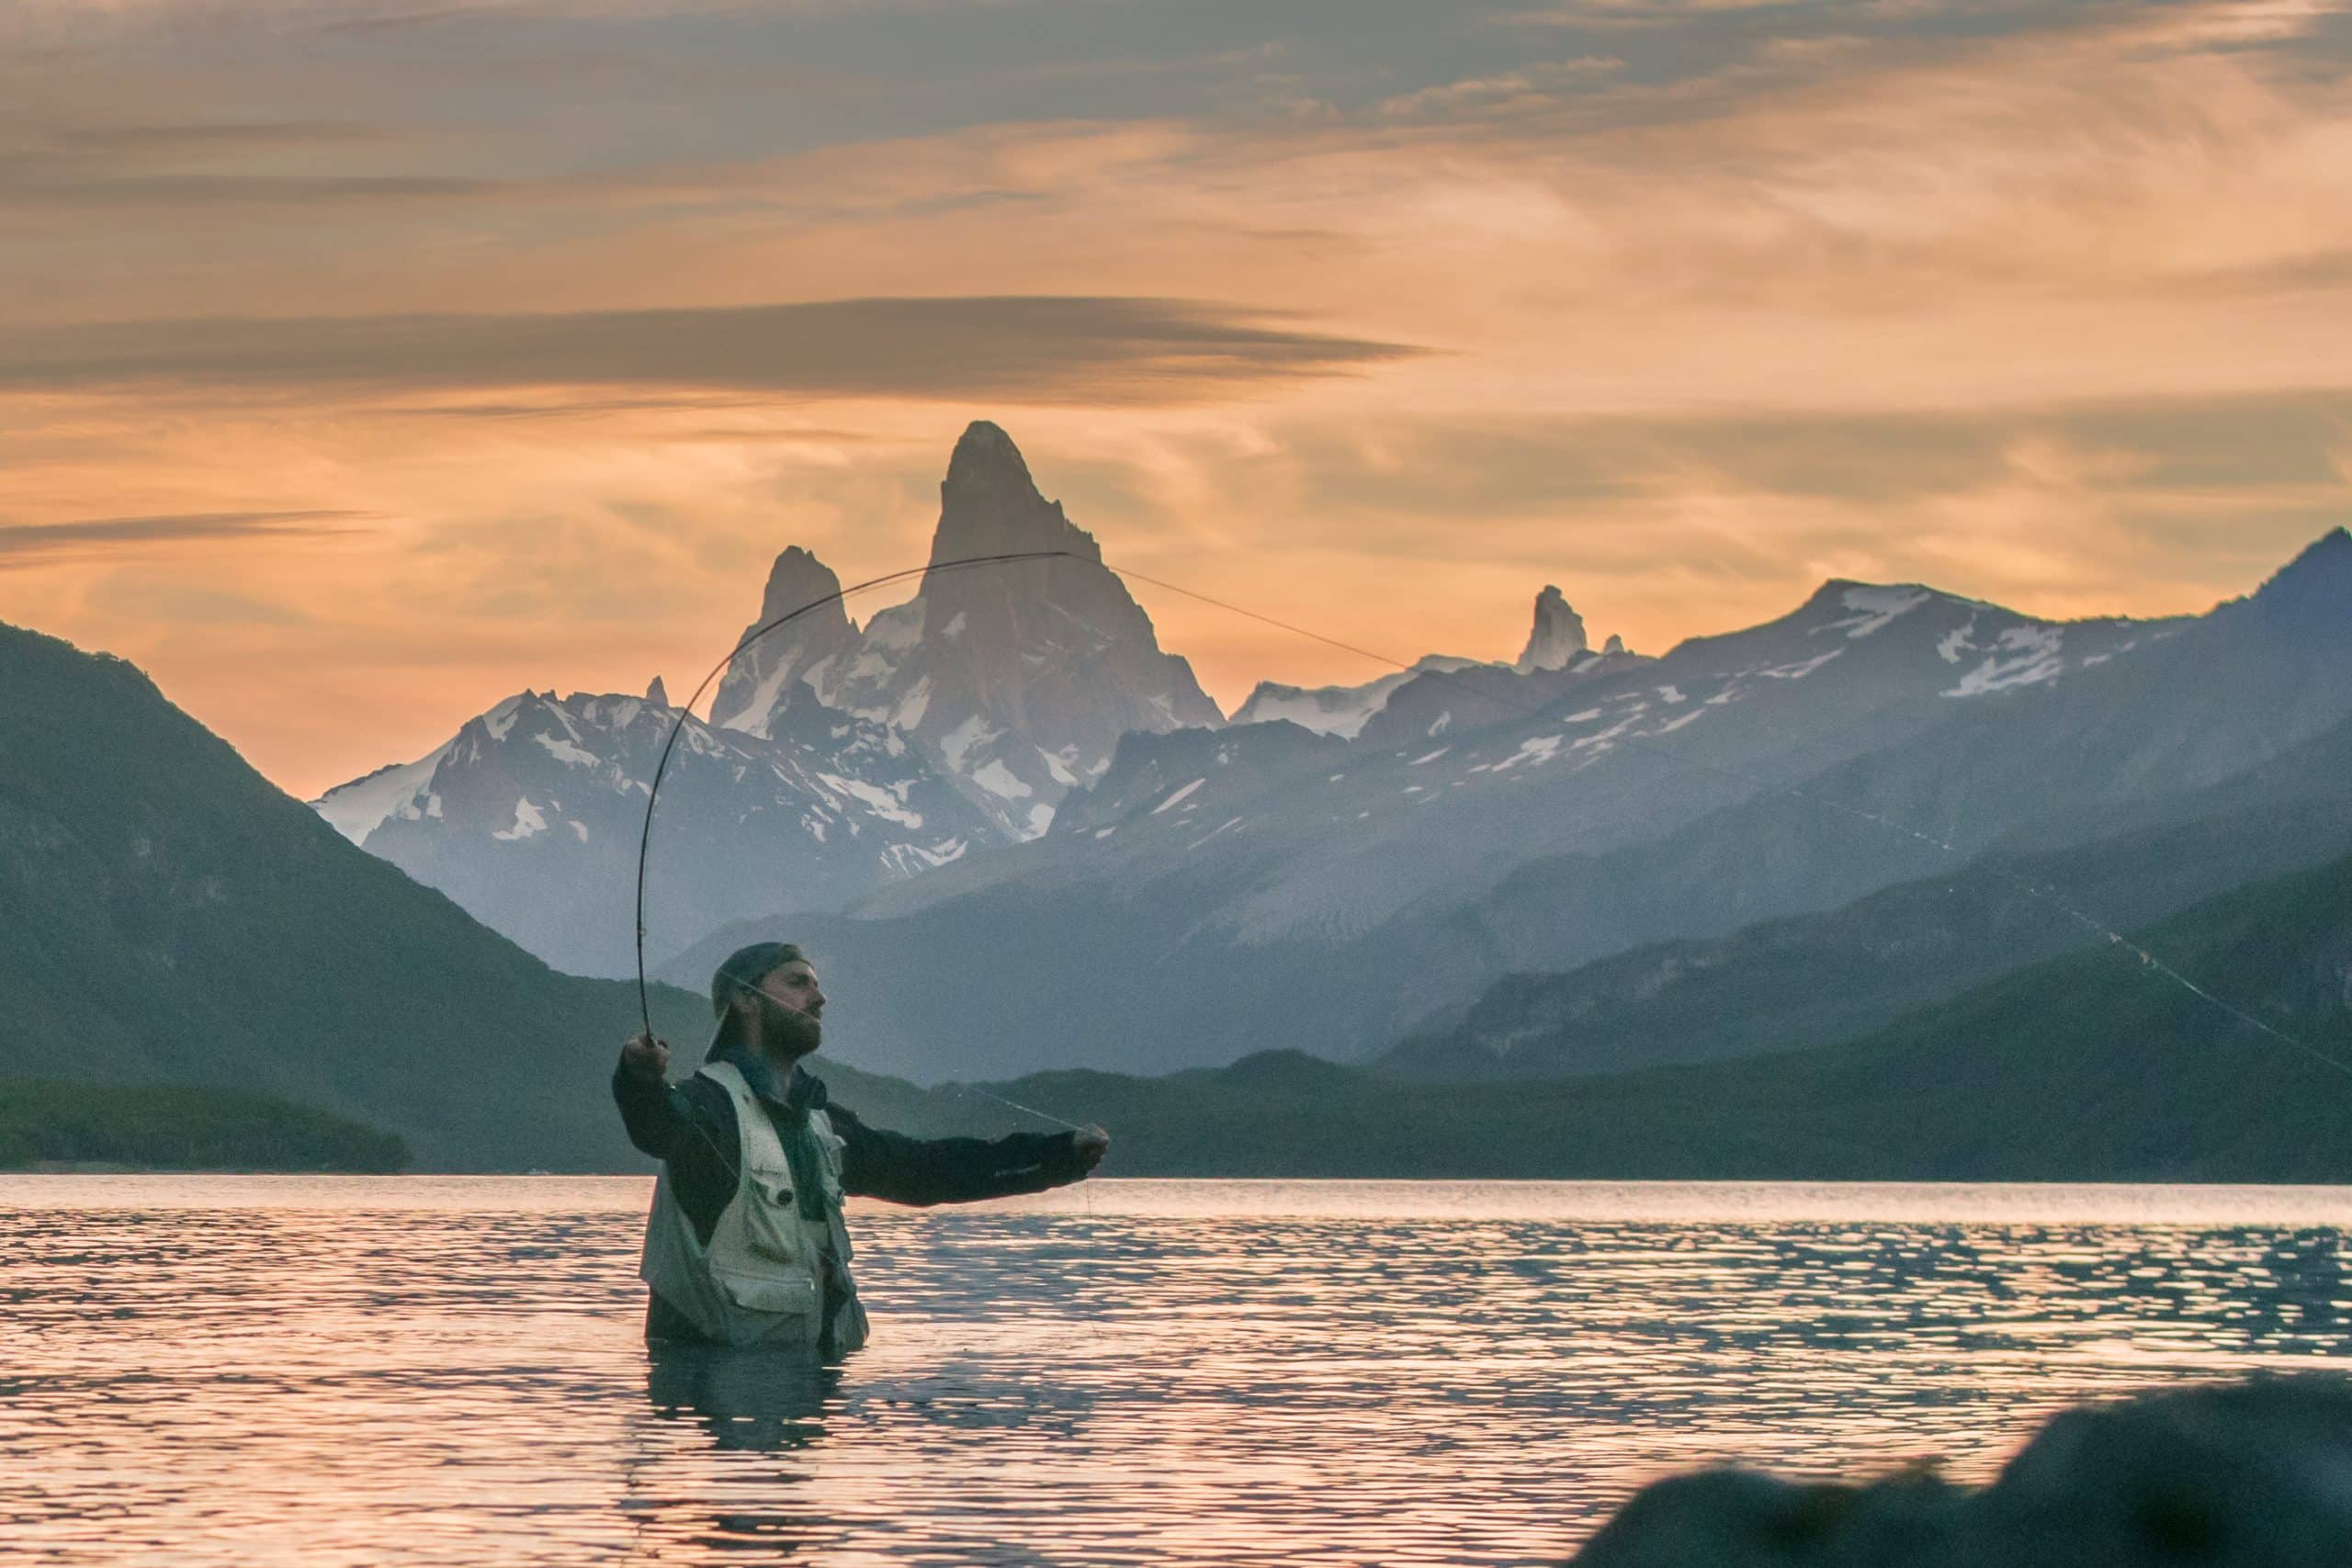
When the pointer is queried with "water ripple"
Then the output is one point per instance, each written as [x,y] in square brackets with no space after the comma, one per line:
[449,1370]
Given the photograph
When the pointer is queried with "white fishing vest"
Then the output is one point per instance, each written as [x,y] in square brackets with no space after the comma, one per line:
[758,1281]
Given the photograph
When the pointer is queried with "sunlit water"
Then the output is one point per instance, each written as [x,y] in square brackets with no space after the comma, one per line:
[450,1371]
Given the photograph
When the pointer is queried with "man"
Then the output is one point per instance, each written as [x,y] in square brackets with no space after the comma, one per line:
[745,1243]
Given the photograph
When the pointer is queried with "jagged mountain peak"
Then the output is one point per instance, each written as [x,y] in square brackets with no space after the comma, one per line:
[990,506]
[806,631]
[2325,565]
[1557,635]
[656,693]
[985,449]
[1017,678]
[798,582]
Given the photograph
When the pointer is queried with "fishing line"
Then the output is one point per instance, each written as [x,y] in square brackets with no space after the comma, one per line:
[1016,1105]
[2148,960]
[2115,938]
[685,711]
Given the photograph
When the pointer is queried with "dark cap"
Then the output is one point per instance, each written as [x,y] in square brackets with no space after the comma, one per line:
[745,968]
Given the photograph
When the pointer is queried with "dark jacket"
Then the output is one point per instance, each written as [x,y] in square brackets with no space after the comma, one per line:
[691,1128]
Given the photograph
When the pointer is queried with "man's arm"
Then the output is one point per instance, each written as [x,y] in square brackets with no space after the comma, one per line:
[690,1127]
[878,1164]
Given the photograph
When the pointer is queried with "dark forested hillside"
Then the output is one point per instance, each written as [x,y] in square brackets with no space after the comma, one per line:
[175,1127]
[1813,979]
[168,916]
[2086,1067]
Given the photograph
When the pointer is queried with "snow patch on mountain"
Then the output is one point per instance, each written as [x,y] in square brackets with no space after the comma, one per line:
[1178,794]
[355,809]
[889,804]
[1801,669]
[1326,710]
[997,779]
[499,719]
[527,822]
[566,750]
[2023,656]
[1876,606]
[1342,711]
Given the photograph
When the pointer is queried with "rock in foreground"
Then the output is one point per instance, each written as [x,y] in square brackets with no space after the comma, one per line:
[2256,1474]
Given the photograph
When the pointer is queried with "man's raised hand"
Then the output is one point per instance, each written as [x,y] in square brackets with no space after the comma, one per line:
[646,1057]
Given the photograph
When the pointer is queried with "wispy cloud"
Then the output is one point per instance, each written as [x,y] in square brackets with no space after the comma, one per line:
[1684,304]
[1044,350]
[1529,83]
[26,544]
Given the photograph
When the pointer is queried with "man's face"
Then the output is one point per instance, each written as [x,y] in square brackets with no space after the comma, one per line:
[791,1025]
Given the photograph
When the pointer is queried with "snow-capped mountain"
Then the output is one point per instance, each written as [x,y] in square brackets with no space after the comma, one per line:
[530,818]
[1017,680]
[1335,710]
[839,758]
[1217,893]
[815,630]
[1555,641]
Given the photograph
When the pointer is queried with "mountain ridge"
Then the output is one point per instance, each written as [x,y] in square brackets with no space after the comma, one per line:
[1488,822]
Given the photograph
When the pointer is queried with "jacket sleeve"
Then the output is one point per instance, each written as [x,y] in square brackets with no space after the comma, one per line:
[878,1164]
[690,1127]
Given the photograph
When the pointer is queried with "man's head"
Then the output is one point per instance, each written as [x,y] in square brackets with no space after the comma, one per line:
[766,998]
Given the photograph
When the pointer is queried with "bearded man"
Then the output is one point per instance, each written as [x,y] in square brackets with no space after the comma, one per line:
[745,1244]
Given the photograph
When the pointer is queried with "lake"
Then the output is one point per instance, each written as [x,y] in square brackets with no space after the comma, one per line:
[450,1371]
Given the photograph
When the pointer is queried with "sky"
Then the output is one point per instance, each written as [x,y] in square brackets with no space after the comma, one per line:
[364,361]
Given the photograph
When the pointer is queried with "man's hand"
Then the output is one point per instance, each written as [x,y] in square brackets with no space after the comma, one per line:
[1091,1143]
[646,1057]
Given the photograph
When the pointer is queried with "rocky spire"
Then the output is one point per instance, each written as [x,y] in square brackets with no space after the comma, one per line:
[988,505]
[1557,635]
[1019,677]
[656,693]
[764,675]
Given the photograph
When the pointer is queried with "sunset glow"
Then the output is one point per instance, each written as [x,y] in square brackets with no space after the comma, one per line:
[361,363]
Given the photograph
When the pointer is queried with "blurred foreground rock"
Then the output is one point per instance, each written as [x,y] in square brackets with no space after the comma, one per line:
[2256,1474]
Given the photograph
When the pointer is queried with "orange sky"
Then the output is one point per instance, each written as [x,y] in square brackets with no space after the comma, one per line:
[361,363]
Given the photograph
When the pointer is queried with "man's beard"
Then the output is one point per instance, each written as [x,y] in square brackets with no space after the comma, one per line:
[788,1032]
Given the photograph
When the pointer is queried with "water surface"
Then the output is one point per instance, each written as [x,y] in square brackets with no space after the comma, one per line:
[326,1370]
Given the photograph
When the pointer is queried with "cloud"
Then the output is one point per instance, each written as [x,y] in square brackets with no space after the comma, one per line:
[27,543]
[1531,83]
[2038,299]
[1037,349]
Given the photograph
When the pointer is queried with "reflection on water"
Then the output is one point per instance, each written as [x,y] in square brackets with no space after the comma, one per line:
[256,1369]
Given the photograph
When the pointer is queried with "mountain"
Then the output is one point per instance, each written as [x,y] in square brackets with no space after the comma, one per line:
[1801,980]
[1016,680]
[2052,738]
[1335,710]
[2085,1069]
[531,817]
[1217,893]
[152,1126]
[168,917]
[838,759]
[801,626]
[1555,641]
[1558,637]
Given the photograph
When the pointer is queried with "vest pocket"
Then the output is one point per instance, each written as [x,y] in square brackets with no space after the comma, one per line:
[768,1292]
[771,1226]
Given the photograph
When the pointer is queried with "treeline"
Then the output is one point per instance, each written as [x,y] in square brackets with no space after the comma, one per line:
[2092,1066]
[177,1127]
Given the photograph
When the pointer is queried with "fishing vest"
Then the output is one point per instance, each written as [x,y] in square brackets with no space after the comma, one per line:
[760,1278]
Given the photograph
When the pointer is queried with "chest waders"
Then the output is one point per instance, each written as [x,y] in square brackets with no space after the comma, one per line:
[761,1279]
